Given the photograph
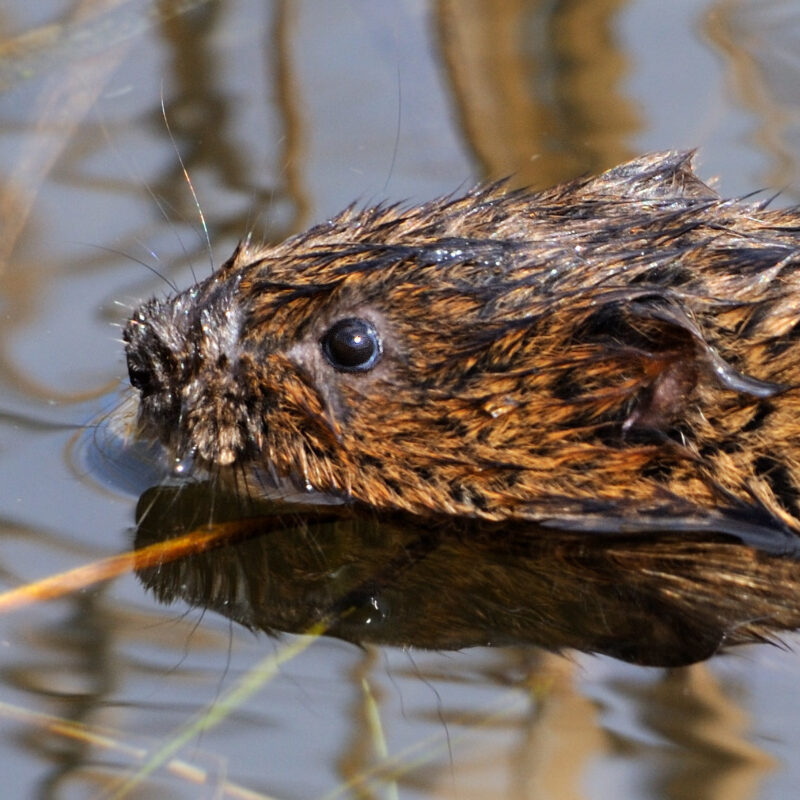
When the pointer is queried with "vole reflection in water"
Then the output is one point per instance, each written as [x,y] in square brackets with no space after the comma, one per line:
[658,599]
[614,357]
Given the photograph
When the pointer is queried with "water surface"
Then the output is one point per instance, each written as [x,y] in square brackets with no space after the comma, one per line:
[283,113]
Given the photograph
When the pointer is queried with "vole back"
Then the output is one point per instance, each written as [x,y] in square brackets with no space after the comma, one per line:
[616,353]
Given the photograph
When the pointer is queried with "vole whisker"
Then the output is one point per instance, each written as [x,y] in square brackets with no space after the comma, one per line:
[190,185]
[144,264]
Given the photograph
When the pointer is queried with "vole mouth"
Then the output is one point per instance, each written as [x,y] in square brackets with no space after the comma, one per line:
[244,476]
[200,452]
[206,425]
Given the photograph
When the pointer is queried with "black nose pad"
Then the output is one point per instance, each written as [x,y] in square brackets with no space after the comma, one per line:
[140,375]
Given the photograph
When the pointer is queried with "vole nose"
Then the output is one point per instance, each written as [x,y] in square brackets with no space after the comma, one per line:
[140,374]
[148,357]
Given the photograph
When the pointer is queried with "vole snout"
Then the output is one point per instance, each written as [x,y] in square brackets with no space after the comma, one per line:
[185,361]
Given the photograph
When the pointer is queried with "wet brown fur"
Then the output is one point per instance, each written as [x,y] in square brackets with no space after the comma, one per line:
[616,353]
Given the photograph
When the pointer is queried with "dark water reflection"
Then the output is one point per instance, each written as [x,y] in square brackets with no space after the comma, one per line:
[653,599]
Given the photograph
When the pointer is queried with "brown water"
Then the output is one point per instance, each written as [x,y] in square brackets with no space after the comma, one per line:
[284,112]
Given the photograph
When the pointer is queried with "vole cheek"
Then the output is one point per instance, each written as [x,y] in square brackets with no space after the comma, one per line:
[344,394]
[321,377]
[305,355]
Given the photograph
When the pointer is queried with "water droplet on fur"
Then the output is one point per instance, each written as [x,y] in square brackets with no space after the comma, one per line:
[182,465]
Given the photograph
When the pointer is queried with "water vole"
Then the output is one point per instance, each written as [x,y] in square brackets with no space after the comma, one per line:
[618,352]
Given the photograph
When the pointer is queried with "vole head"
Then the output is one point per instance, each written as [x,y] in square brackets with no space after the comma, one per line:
[502,354]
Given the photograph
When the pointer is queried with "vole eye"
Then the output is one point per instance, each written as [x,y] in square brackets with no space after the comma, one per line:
[352,345]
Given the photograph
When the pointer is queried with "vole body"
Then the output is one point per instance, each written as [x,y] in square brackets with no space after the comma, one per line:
[616,353]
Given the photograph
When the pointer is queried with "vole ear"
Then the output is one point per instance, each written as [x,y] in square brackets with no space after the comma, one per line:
[654,332]
[670,312]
